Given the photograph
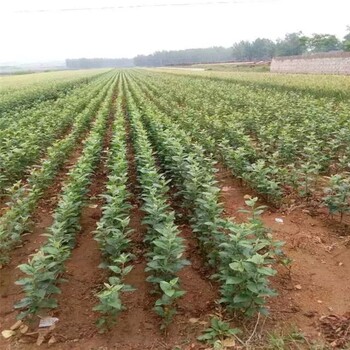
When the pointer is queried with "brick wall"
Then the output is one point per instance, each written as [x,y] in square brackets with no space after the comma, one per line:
[332,63]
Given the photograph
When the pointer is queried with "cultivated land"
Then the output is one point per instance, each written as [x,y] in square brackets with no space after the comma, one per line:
[121,210]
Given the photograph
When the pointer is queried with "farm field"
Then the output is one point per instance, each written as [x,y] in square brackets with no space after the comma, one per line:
[319,85]
[170,209]
[230,67]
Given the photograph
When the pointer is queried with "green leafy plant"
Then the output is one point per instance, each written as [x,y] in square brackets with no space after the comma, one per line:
[246,257]
[218,331]
[110,304]
[244,272]
[261,177]
[307,172]
[337,196]
[166,305]
[42,271]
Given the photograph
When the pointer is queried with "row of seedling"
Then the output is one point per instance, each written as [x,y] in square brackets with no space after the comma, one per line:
[240,253]
[274,162]
[113,231]
[166,247]
[23,197]
[45,267]
[25,140]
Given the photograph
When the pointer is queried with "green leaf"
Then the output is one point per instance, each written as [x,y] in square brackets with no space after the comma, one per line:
[27,269]
[167,288]
[23,303]
[234,280]
[267,271]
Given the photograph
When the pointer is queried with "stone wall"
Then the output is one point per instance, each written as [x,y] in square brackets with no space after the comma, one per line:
[328,63]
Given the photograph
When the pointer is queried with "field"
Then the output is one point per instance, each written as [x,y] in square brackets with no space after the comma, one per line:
[174,209]
[232,66]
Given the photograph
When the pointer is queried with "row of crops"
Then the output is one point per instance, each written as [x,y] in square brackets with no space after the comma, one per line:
[30,170]
[26,135]
[336,86]
[286,145]
[233,250]
[282,144]
[23,91]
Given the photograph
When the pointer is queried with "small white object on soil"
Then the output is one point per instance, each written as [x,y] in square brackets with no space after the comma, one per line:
[16,325]
[48,321]
[8,333]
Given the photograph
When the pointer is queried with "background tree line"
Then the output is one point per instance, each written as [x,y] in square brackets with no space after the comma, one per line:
[165,58]
[260,49]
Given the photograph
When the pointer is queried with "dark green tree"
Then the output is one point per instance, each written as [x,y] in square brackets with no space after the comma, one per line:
[180,57]
[346,41]
[262,49]
[292,44]
[242,51]
[323,43]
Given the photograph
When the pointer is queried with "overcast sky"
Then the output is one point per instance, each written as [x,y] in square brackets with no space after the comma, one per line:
[41,30]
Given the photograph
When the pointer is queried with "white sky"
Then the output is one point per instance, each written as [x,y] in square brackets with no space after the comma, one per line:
[123,31]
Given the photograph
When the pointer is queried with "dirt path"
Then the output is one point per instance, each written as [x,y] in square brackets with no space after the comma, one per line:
[319,283]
